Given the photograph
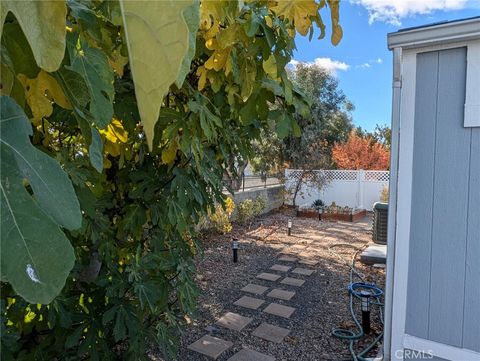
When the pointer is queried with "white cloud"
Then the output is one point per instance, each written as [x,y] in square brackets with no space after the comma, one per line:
[392,11]
[364,65]
[369,64]
[329,64]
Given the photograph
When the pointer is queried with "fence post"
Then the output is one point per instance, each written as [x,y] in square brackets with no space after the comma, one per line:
[360,188]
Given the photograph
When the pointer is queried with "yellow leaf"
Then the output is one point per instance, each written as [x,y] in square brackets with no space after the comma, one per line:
[270,66]
[170,152]
[115,132]
[211,44]
[337,32]
[298,12]
[43,23]
[39,94]
[158,39]
[114,137]
[218,59]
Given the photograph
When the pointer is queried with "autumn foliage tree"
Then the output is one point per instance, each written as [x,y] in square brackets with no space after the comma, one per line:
[361,153]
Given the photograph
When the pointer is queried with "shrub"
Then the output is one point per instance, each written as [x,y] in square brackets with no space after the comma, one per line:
[221,217]
[318,204]
[384,194]
[249,209]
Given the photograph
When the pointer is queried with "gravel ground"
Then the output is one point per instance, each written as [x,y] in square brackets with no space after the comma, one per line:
[321,303]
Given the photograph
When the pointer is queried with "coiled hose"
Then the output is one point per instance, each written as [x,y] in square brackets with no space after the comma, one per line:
[353,335]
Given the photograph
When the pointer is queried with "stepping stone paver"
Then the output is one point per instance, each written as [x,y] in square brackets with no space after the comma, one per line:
[271,333]
[268,276]
[281,294]
[210,346]
[292,281]
[279,310]
[279,267]
[250,355]
[233,321]
[249,302]
[302,271]
[255,289]
[286,258]
[308,262]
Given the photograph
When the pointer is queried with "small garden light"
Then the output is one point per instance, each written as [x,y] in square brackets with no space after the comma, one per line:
[235,247]
[365,298]
[289,225]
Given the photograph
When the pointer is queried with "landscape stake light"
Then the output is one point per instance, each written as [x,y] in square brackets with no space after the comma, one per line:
[289,225]
[365,298]
[235,250]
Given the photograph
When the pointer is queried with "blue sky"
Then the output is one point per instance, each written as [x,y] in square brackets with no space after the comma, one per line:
[361,61]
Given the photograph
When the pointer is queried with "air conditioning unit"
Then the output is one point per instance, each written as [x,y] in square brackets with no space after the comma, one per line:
[380,222]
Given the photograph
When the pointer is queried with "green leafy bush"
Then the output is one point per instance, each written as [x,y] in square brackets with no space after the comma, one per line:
[318,204]
[220,218]
[249,209]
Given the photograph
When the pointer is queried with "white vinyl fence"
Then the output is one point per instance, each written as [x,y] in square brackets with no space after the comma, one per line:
[352,188]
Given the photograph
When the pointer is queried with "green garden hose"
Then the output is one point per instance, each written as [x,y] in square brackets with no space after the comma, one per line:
[351,335]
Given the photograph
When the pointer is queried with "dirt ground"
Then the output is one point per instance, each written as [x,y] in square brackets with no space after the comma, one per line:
[322,303]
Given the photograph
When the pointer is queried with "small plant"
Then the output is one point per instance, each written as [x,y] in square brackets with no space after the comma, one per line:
[221,217]
[384,194]
[318,204]
[249,209]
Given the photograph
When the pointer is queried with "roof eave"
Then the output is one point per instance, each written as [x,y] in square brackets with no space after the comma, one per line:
[442,33]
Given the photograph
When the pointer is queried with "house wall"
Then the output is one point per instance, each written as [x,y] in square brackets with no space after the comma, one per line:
[443,289]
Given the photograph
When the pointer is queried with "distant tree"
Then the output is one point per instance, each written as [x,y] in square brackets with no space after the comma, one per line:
[361,153]
[329,121]
[268,157]
[383,135]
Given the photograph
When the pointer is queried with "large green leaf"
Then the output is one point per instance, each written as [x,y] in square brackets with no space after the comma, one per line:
[51,186]
[158,40]
[36,256]
[92,65]
[43,23]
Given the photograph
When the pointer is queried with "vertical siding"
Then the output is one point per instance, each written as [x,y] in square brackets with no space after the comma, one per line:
[449,228]
[422,195]
[443,295]
[471,325]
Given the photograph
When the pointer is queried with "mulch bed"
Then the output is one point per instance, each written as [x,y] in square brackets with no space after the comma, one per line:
[322,302]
